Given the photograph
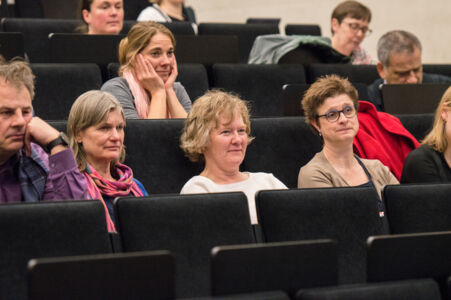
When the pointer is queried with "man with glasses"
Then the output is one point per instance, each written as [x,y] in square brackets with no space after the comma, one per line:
[399,54]
[349,26]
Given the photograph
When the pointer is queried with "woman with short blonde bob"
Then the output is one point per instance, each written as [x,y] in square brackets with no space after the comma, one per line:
[431,162]
[146,87]
[217,133]
[95,128]
[330,106]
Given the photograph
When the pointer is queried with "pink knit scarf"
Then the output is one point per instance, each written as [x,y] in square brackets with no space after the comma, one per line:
[142,99]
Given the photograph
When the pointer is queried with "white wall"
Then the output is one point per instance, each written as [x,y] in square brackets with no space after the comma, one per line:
[429,20]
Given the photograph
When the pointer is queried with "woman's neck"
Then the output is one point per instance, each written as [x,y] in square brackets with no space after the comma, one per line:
[174,10]
[103,168]
[220,176]
[339,46]
[341,156]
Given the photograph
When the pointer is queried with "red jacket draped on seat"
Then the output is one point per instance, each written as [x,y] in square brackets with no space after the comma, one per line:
[382,136]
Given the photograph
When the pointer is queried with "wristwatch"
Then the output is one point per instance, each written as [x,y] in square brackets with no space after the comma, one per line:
[62,139]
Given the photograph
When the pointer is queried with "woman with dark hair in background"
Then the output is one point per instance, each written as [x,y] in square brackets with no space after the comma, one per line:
[101,16]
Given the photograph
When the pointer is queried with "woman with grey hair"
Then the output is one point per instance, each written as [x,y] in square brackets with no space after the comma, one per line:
[95,128]
[217,132]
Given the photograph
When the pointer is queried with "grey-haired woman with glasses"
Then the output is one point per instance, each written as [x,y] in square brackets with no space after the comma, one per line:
[330,106]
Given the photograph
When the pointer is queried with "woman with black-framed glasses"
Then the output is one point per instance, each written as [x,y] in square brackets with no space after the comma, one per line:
[330,107]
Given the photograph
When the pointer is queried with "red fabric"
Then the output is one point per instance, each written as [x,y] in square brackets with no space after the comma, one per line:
[382,136]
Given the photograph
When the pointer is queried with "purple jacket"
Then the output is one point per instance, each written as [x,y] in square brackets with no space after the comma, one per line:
[64,181]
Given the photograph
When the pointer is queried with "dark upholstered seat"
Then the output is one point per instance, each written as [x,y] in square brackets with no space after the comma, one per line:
[260,84]
[410,256]
[188,226]
[36,33]
[154,154]
[418,207]
[355,73]
[302,29]
[58,85]
[424,289]
[286,266]
[442,69]
[417,124]
[281,146]
[246,33]
[36,230]
[12,45]
[118,276]
[207,49]
[347,215]
[84,48]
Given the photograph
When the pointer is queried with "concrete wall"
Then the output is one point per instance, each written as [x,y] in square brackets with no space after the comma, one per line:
[429,20]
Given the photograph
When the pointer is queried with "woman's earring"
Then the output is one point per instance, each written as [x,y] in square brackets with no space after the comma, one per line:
[319,132]
[444,127]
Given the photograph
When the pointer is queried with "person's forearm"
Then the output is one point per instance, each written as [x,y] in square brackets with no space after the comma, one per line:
[175,108]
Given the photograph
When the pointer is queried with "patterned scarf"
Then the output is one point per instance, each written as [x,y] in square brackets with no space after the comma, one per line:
[142,99]
[97,185]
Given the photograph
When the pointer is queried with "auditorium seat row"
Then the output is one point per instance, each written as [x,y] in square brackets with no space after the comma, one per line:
[190,226]
[260,84]
[281,147]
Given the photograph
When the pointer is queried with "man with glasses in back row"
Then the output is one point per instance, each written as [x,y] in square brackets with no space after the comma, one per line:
[399,54]
[349,26]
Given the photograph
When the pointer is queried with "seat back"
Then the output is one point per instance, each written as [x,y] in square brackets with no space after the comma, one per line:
[424,289]
[417,124]
[36,230]
[187,225]
[260,84]
[442,69]
[347,215]
[355,73]
[132,8]
[302,29]
[155,156]
[194,78]
[246,34]
[286,266]
[103,277]
[28,9]
[281,147]
[410,256]
[291,97]
[58,85]
[36,31]
[11,44]
[418,207]
[84,48]
[207,49]
[56,9]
